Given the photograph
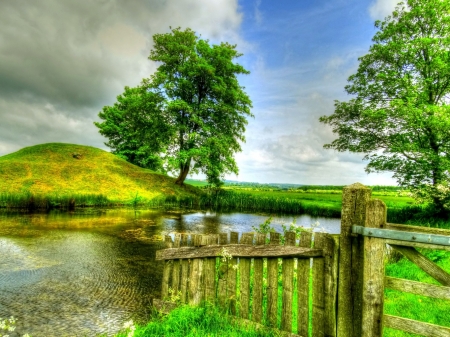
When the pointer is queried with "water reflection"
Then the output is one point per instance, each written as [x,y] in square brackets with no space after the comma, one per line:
[85,273]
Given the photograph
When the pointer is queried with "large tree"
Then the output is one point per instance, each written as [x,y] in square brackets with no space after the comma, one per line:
[400,117]
[190,115]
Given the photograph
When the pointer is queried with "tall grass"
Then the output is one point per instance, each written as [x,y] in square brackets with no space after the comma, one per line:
[187,321]
[31,201]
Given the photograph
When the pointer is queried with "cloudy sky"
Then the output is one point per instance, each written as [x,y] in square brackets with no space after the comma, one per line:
[61,61]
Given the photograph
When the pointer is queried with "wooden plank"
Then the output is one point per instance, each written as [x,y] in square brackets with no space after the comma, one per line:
[354,201]
[231,279]
[210,272]
[331,268]
[430,239]
[420,328]
[223,239]
[223,275]
[257,307]
[287,294]
[176,268]
[184,272]
[425,264]
[373,272]
[318,289]
[416,244]
[167,270]
[244,272]
[272,282]
[245,251]
[195,276]
[330,246]
[418,288]
[303,277]
[420,229]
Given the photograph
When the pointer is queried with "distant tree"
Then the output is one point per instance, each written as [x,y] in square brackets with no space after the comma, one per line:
[189,116]
[400,117]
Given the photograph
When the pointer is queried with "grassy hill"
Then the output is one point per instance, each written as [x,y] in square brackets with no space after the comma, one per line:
[69,169]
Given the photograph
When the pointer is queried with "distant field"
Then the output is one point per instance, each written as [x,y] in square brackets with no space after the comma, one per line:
[331,198]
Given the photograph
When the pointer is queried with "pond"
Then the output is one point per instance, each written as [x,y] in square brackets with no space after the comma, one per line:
[87,272]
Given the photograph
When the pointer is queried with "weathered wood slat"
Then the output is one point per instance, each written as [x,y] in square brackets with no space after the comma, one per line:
[425,264]
[288,286]
[210,272]
[373,272]
[331,267]
[232,275]
[167,270]
[382,233]
[176,268]
[419,229]
[417,288]
[245,251]
[244,272]
[272,281]
[184,271]
[223,275]
[195,276]
[318,290]
[416,244]
[257,306]
[420,328]
[354,201]
[303,276]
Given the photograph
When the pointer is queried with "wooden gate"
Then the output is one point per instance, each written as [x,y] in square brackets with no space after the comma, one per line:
[365,238]
[290,286]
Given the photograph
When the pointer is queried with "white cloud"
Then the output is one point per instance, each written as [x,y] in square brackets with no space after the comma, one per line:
[382,8]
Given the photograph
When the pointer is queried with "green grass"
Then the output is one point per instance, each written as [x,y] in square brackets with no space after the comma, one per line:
[188,321]
[50,173]
[416,307]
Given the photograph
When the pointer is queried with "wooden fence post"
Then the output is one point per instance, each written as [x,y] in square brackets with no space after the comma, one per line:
[244,275]
[167,270]
[373,272]
[288,286]
[257,310]
[272,284]
[354,202]
[303,276]
[231,277]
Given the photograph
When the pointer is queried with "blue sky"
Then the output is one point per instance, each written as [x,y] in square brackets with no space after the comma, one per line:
[62,61]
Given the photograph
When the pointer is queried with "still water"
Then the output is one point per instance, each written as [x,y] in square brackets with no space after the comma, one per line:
[86,273]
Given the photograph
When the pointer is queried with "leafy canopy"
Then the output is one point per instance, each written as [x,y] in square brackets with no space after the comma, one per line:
[189,116]
[400,117]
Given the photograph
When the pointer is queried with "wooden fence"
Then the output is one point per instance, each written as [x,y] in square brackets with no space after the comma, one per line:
[317,285]
[257,277]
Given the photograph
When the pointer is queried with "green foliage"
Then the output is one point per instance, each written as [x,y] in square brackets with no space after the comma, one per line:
[136,128]
[189,116]
[400,115]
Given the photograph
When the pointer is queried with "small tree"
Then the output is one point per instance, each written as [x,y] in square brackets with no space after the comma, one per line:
[189,116]
[400,117]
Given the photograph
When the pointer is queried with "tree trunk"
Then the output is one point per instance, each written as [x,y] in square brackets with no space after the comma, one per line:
[184,170]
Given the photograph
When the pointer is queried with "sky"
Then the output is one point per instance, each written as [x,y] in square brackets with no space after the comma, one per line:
[61,61]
